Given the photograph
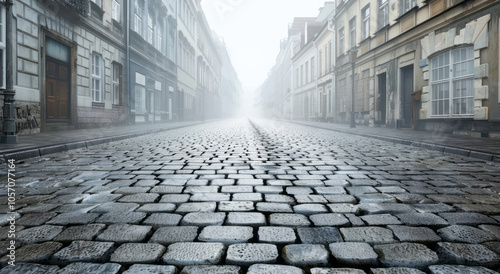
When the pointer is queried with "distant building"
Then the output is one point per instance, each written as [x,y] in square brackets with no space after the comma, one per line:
[231,93]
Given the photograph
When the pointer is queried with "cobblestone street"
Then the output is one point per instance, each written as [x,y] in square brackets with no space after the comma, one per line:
[253,196]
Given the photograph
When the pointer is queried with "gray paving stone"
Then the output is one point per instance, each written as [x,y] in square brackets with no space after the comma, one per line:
[121,233]
[299,190]
[340,198]
[305,255]
[73,218]
[80,267]
[380,219]
[222,182]
[276,235]
[157,207]
[252,197]
[196,207]
[203,218]
[319,235]
[82,233]
[130,190]
[412,255]
[324,270]
[34,219]
[459,269]
[29,268]
[356,254]
[174,198]
[34,253]
[166,189]
[433,208]
[211,269]
[193,253]
[237,189]
[174,234]
[100,198]
[38,234]
[75,208]
[467,254]
[464,234]
[391,208]
[286,219]
[357,190]
[201,189]
[329,219]
[330,190]
[126,217]
[279,182]
[272,269]
[137,253]
[255,219]
[250,253]
[162,219]
[236,206]
[250,182]
[226,234]
[84,251]
[467,218]
[269,189]
[210,197]
[375,198]
[309,209]
[344,208]
[150,269]
[370,234]
[396,270]
[274,207]
[423,235]
[422,219]
[140,198]
[309,199]
[115,207]
[279,198]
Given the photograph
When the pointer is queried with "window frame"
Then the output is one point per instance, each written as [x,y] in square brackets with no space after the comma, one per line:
[116,83]
[97,77]
[443,82]
[407,5]
[365,26]
[352,32]
[116,12]
[383,13]
[341,40]
[138,14]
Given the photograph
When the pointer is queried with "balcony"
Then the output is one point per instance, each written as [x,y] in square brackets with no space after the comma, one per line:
[79,6]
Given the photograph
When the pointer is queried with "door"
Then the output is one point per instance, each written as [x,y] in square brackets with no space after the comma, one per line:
[57,89]
[323,105]
[381,99]
[406,91]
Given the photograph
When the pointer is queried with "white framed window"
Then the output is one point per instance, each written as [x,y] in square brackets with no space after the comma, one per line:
[97,83]
[140,99]
[341,41]
[365,27]
[383,13]
[320,58]
[307,71]
[312,69]
[2,46]
[302,75]
[149,37]
[138,11]
[116,84]
[159,38]
[116,11]
[407,5]
[452,83]
[98,2]
[352,32]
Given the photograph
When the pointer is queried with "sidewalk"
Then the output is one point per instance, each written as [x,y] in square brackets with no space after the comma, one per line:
[44,143]
[481,148]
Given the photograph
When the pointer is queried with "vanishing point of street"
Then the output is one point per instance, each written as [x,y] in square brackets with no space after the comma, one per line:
[253,196]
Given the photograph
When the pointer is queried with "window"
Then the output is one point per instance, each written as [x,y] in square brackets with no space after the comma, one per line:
[2,46]
[312,69]
[138,11]
[150,28]
[301,75]
[352,32]
[320,63]
[383,13]
[97,2]
[297,77]
[365,28]
[307,72]
[116,11]
[140,99]
[97,77]
[407,5]
[329,56]
[116,83]
[452,83]
[159,39]
[341,41]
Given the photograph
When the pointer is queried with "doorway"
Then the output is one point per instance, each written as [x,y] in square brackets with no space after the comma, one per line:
[57,87]
[406,91]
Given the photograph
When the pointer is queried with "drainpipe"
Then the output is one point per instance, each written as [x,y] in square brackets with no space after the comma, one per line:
[129,85]
[9,110]
[331,28]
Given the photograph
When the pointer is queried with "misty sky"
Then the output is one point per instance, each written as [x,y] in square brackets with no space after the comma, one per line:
[252,30]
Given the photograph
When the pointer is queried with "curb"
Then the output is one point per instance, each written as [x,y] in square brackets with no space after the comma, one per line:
[492,157]
[32,152]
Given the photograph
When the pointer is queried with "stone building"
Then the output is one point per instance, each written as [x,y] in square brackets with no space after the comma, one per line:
[424,64]
[69,60]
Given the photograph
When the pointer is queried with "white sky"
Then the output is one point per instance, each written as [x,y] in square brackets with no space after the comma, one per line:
[252,30]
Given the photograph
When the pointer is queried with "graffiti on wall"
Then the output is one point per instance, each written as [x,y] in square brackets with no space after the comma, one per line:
[25,120]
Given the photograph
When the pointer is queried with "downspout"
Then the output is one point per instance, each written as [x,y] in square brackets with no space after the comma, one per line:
[331,28]
[317,77]
[129,86]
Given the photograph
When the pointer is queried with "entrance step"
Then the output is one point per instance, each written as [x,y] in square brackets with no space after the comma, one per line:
[58,127]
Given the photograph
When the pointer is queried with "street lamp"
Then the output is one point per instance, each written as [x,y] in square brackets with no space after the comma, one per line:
[9,110]
[352,59]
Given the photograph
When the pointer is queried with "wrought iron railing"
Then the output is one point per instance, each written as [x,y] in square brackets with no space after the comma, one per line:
[80,6]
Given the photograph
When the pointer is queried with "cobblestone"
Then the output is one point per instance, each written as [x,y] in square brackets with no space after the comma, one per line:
[137,253]
[276,235]
[270,269]
[467,254]
[357,254]
[150,269]
[226,234]
[305,255]
[248,254]
[84,251]
[406,254]
[186,253]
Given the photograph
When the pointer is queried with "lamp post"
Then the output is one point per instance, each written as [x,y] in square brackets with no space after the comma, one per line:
[352,58]
[9,110]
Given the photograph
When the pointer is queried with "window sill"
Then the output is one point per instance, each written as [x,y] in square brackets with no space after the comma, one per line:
[97,105]
[414,9]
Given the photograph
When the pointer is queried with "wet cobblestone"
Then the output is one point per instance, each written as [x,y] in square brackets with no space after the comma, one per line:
[255,197]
